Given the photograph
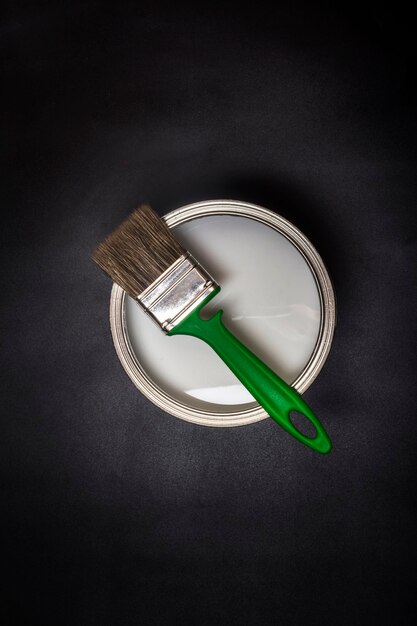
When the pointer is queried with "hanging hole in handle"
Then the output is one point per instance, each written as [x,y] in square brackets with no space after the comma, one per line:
[304,426]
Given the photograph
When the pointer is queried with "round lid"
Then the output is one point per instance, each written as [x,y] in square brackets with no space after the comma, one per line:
[273,301]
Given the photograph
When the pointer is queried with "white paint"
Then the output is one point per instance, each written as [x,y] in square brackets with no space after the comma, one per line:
[270,302]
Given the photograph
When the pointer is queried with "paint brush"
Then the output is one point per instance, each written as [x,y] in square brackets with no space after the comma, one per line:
[145,259]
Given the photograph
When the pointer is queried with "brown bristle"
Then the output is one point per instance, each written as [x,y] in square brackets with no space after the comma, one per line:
[138,251]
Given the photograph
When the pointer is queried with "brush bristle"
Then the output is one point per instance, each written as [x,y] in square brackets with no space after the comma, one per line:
[138,251]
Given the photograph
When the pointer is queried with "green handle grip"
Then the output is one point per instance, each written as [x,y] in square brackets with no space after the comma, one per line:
[271,392]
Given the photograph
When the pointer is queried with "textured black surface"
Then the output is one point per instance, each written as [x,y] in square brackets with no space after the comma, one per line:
[115,513]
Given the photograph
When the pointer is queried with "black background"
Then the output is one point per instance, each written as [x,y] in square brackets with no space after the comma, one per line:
[114,512]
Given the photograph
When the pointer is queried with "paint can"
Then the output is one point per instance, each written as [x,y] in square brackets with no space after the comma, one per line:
[277,298]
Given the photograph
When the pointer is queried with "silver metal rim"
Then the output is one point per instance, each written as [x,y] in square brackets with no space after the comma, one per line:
[328,317]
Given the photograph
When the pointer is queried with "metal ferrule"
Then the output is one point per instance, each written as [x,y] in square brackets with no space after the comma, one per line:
[177,292]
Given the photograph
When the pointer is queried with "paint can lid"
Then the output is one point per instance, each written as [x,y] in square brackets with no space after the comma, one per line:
[277,298]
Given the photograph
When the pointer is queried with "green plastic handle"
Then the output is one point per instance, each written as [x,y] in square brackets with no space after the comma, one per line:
[271,392]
